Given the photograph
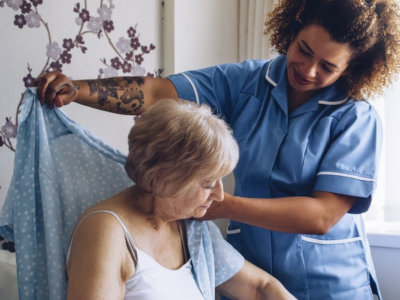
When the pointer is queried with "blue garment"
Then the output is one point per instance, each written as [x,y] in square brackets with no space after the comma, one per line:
[330,143]
[60,170]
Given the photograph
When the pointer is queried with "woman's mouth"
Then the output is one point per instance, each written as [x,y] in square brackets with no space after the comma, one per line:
[206,206]
[299,79]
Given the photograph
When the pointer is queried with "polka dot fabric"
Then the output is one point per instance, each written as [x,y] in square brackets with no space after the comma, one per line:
[61,169]
[214,259]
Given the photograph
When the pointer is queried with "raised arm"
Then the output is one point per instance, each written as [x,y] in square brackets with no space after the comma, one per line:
[123,95]
[252,283]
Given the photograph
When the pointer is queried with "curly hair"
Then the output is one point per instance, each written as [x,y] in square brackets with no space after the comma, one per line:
[370,27]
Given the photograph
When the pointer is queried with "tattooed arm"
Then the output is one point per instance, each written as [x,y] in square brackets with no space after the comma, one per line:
[123,95]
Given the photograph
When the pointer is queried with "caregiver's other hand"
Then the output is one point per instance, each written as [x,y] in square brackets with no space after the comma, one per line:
[218,209]
[56,89]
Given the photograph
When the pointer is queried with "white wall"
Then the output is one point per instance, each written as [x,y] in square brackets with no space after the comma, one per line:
[387,265]
[384,240]
[202,33]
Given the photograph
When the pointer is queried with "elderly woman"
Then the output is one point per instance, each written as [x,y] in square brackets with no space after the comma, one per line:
[135,245]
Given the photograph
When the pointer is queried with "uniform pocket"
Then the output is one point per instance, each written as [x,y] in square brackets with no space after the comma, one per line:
[335,267]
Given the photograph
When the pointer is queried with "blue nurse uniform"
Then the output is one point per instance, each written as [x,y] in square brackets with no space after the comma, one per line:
[330,143]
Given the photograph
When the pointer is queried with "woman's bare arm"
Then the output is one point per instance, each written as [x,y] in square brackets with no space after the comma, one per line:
[99,262]
[252,283]
[123,95]
[313,215]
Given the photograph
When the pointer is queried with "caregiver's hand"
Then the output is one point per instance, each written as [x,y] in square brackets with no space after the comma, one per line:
[56,89]
[218,209]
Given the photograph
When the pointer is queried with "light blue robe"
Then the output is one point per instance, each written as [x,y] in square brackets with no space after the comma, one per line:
[60,170]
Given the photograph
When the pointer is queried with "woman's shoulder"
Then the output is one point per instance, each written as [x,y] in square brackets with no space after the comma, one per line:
[248,66]
[101,225]
[361,117]
[356,109]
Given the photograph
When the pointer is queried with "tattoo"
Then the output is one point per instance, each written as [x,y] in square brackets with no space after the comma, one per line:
[102,99]
[120,110]
[108,88]
[92,87]
[133,95]
[139,80]
[129,80]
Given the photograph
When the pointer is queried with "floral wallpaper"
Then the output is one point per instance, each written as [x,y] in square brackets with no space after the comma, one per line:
[127,48]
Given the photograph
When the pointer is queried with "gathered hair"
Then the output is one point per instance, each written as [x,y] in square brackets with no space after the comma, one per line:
[370,27]
[176,142]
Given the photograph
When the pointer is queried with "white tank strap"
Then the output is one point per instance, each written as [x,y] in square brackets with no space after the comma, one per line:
[128,237]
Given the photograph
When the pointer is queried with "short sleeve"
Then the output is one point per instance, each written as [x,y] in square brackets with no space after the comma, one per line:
[219,86]
[227,260]
[350,164]
[214,260]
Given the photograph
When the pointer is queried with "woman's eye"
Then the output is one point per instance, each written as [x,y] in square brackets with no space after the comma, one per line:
[209,186]
[327,69]
[302,51]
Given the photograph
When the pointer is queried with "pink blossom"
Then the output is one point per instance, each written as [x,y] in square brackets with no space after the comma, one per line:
[110,72]
[138,71]
[123,45]
[94,24]
[78,21]
[9,129]
[53,50]
[104,13]
[33,19]
[14,4]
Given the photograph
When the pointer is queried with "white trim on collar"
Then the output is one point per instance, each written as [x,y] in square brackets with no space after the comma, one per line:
[269,79]
[324,102]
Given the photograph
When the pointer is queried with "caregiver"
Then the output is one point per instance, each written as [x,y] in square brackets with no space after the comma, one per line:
[309,144]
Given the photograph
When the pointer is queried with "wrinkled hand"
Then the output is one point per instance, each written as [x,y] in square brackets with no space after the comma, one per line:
[55,89]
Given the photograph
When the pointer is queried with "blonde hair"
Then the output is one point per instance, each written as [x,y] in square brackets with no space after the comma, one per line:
[175,142]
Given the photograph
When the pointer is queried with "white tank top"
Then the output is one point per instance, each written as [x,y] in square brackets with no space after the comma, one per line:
[153,281]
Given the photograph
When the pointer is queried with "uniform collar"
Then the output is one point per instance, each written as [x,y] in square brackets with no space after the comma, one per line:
[276,75]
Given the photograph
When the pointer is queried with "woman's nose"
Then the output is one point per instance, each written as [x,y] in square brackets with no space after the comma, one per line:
[218,191]
[310,69]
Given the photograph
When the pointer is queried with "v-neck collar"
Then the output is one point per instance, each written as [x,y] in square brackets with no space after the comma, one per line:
[276,75]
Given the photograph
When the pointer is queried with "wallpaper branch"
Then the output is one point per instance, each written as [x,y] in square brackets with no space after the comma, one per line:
[129,51]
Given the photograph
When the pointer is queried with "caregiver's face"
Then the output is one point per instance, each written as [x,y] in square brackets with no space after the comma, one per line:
[315,61]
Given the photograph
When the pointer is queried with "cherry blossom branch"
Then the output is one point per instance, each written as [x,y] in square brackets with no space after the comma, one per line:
[49,37]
